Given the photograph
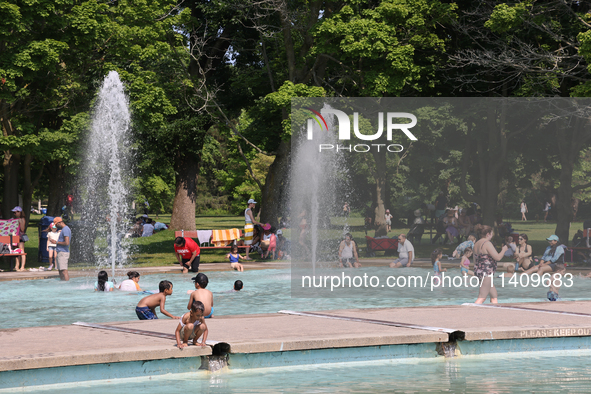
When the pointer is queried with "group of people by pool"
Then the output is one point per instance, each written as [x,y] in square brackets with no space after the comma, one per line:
[191,325]
[479,248]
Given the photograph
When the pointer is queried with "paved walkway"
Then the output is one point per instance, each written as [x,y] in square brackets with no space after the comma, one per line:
[41,347]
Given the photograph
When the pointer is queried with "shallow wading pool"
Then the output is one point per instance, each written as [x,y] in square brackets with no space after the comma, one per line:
[31,303]
[543,372]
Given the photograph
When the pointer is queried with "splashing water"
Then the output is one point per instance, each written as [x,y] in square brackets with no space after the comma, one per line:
[105,178]
[316,179]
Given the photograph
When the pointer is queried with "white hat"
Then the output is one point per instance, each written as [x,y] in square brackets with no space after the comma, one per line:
[251,201]
[279,232]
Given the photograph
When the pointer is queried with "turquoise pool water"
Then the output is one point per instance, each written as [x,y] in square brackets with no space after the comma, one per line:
[52,302]
[545,372]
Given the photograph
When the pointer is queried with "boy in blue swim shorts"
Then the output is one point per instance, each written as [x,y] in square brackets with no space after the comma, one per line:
[202,294]
[145,309]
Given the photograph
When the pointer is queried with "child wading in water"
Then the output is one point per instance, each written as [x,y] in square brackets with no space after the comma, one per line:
[202,294]
[103,284]
[191,326]
[234,258]
[465,262]
[145,309]
[131,284]
[436,256]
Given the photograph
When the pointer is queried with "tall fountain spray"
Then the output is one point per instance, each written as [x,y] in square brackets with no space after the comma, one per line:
[318,180]
[105,177]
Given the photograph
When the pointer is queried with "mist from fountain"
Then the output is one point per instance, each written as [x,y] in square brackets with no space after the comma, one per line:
[105,180]
[318,182]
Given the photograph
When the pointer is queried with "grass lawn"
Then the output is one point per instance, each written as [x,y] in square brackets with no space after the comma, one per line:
[157,250]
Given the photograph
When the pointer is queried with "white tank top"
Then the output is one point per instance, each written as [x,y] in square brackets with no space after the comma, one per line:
[347,252]
[246,216]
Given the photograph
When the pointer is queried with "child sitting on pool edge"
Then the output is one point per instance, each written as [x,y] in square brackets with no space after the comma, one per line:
[145,309]
[192,326]
[234,257]
[202,294]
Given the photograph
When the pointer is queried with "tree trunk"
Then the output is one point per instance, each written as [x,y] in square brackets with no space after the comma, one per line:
[29,185]
[570,139]
[274,202]
[491,153]
[183,209]
[564,212]
[57,187]
[11,169]
[380,196]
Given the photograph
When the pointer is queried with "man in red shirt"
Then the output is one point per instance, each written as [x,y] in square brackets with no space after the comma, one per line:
[187,253]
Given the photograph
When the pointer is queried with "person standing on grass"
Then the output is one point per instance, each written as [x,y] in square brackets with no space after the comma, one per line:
[62,248]
[22,228]
[547,208]
[249,226]
[523,210]
[388,217]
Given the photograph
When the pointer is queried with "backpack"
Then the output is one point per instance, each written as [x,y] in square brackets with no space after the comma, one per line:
[4,248]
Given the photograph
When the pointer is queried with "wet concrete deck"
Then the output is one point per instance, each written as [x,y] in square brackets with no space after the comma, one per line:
[57,346]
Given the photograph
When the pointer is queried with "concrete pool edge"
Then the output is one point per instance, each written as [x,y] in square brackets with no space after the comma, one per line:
[296,338]
[242,361]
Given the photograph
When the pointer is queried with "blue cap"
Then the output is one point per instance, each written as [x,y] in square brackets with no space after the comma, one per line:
[552,238]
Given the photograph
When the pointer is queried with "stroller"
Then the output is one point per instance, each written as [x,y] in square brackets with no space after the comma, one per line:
[582,239]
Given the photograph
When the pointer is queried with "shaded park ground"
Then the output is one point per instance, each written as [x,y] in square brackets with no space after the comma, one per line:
[157,250]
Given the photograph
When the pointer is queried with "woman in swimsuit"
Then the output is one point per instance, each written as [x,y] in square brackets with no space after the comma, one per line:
[485,266]
[523,253]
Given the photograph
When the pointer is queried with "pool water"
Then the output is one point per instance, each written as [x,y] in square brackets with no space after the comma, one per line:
[544,372]
[33,303]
